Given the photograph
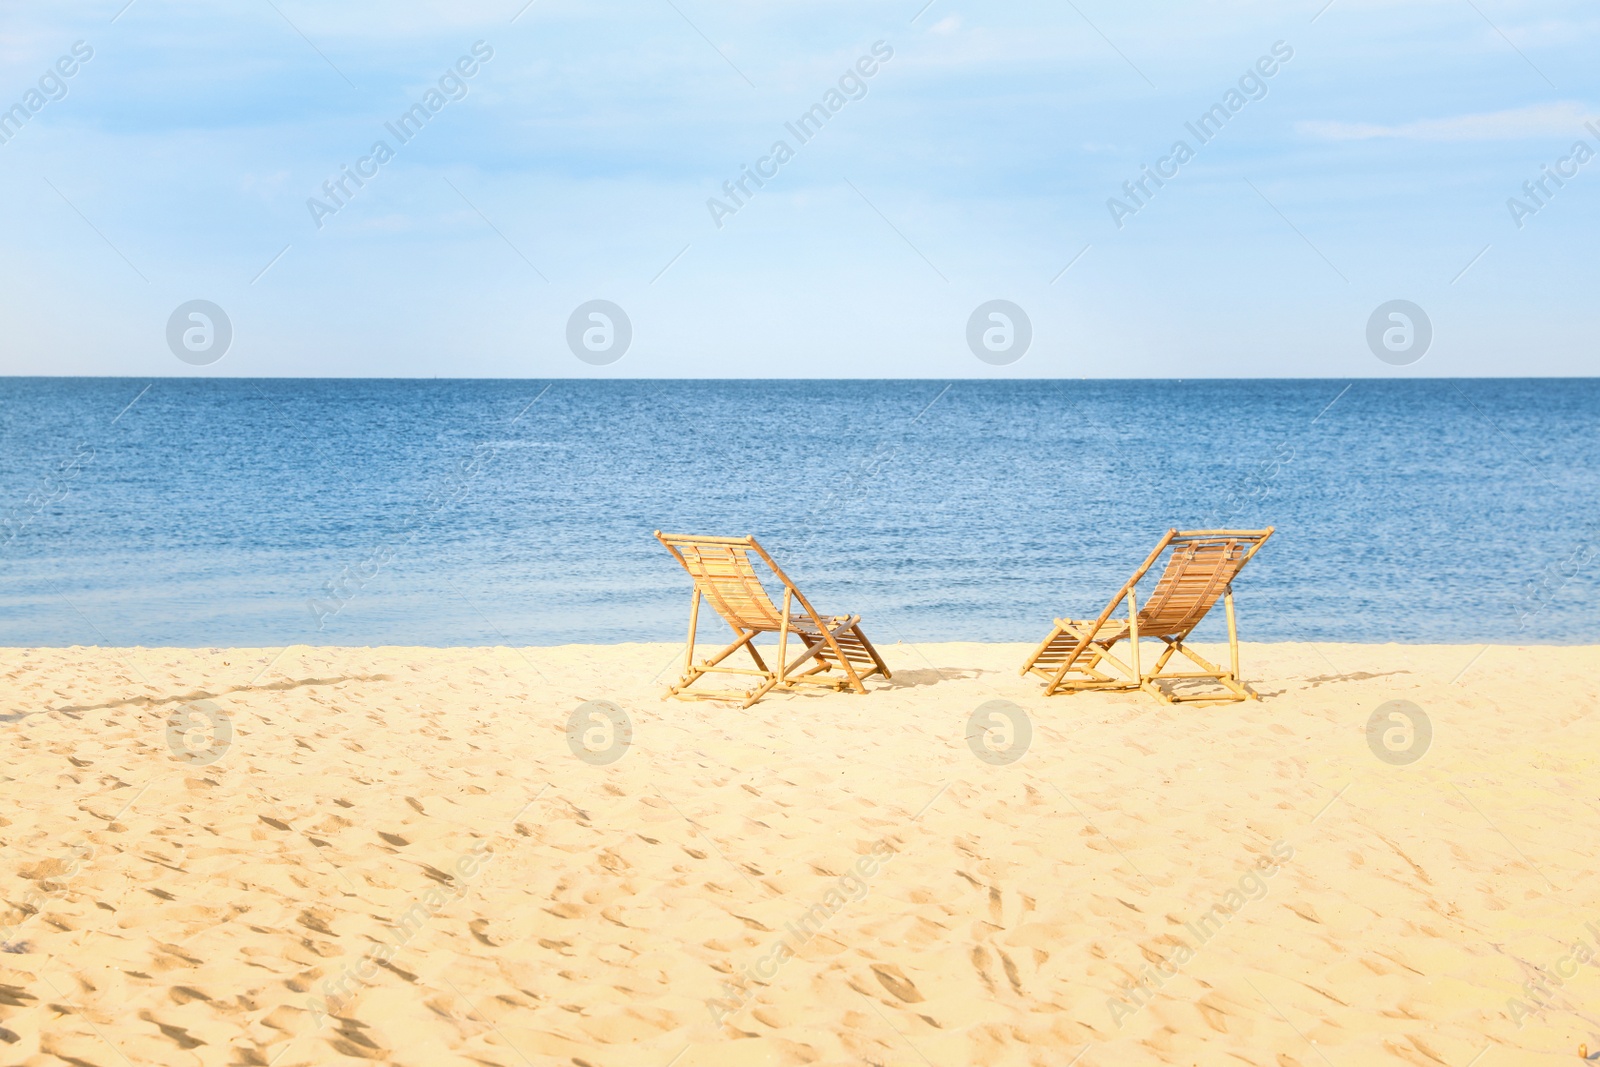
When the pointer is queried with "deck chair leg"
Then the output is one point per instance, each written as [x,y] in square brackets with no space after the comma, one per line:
[1233,643]
[783,637]
[1149,683]
[883,668]
[838,653]
[844,661]
[1229,682]
[689,673]
[751,648]
[694,624]
[1133,632]
[760,691]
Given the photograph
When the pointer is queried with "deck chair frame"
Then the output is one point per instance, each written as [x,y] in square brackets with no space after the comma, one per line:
[1077,655]
[837,653]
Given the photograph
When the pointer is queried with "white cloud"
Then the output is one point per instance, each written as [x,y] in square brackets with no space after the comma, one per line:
[946,26]
[1538,120]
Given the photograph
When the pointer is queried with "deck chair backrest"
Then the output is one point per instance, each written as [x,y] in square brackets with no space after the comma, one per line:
[1199,570]
[726,576]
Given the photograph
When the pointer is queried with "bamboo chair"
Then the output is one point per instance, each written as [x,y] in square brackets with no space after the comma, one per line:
[724,574]
[1203,564]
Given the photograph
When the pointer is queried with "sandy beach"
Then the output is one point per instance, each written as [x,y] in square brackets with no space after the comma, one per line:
[323,855]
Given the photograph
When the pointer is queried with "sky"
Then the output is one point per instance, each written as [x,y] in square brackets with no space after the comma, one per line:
[1359,152]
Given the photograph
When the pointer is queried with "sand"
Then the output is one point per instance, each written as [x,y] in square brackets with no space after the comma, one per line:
[397,857]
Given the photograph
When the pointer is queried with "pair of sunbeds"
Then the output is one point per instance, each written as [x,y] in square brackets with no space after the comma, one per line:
[1201,566]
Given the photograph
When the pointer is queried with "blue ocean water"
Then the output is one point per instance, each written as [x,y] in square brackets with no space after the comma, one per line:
[361,512]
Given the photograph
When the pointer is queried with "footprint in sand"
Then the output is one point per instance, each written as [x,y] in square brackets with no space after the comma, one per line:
[895,981]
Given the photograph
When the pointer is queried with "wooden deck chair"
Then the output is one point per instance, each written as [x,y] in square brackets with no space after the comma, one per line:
[724,573]
[1077,654]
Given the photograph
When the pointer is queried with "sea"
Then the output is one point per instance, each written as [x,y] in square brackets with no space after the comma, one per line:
[232,512]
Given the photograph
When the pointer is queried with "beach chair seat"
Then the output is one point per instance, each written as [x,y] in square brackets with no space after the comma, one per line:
[1077,655]
[836,653]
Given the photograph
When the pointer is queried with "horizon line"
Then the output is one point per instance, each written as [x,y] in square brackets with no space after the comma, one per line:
[708,378]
